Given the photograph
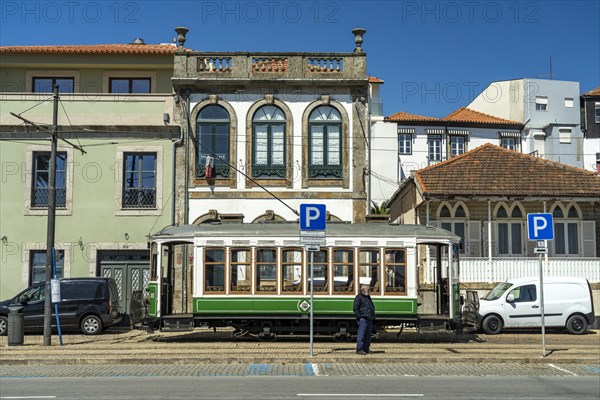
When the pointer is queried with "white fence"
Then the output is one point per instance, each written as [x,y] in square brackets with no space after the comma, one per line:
[480,270]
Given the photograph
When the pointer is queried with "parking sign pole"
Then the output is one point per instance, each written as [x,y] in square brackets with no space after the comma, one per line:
[312,292]
[542,306]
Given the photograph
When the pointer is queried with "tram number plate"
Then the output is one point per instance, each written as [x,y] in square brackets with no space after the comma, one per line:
[312,247]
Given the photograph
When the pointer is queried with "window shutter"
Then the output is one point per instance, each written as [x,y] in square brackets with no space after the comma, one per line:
[588,234]
[474,244]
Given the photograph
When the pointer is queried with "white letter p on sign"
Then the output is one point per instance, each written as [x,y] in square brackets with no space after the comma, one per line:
[539,224]
[312,214]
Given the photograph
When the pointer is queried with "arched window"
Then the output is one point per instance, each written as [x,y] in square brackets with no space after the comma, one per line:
[268,158]
[455,221]
[510,230]
[445,212]
[566,230]
[325,143]
[213,127]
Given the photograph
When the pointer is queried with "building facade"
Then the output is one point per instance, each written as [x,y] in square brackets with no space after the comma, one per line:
[484,197]
[114,184]
[403,143]
[590,122]
[549,111]
[268,131]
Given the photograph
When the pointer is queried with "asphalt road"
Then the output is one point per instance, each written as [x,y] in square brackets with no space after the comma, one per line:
[224,388]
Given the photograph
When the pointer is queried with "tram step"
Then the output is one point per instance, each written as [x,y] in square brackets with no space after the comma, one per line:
[183,324]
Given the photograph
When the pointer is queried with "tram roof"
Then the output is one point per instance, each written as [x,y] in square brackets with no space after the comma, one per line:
[421,232]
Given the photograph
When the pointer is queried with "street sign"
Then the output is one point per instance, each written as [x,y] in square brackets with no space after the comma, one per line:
[540,226]
[540,250]
[313,221]
[312,238]
[313,217]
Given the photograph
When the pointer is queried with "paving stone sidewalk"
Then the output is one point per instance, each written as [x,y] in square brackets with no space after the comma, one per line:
[298,369]
[202,348]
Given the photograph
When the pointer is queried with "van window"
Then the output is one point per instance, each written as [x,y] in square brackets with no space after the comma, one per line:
[496,292]
[81,290]
[34,293]
[524,293]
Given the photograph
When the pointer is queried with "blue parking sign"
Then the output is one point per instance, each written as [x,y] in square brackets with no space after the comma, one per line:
[313,217]
[540,226]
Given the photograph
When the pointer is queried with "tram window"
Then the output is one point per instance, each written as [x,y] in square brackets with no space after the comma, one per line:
[395,271]
[291,273]
[320,271]
[214,270]
[240,271]
[343,271]
[368,261]
[266,270]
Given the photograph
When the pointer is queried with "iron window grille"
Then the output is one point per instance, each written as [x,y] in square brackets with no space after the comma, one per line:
[40,193]
[213,127]
[325,138]
[139,180]
[268,147]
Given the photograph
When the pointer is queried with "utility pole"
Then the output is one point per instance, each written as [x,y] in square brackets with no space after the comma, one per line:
[51,222]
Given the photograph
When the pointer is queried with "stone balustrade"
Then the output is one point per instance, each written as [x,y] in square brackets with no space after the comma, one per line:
[256,66]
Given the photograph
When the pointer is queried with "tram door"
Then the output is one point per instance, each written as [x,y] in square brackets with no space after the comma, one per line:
[442,279]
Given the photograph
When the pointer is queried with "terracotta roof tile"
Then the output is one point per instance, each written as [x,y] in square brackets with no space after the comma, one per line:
[490,170]
[464,114]
[374,79]
[408,117]
[150,49]
[593,92]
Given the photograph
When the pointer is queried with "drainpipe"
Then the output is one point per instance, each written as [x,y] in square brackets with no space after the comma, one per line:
[186,215]
[370,174]
[174,174]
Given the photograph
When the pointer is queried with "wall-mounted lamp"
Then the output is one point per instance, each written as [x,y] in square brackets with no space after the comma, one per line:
[80,243]
[126,236]
[4,239]
[166,118]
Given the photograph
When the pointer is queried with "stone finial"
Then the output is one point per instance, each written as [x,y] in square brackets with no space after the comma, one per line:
[269,98]
[181,32]
[358,39]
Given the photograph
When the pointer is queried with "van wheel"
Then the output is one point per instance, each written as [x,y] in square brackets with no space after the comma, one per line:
[91,325]
[492,325]
[576,325]
[3,326]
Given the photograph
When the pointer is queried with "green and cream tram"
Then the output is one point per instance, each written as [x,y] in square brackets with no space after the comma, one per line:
[256,278]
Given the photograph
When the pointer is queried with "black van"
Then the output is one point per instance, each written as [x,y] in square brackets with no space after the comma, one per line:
[87,304]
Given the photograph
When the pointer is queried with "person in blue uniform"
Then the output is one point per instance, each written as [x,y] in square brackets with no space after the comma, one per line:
[364,310]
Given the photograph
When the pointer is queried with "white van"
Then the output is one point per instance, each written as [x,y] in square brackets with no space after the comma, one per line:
[516,304]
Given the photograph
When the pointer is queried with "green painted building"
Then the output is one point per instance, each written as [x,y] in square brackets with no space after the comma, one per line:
[116,104]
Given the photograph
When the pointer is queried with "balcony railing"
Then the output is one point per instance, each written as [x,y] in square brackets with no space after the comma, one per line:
[242,65]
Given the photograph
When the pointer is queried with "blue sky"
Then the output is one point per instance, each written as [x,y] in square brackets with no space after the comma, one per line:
[433,55]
